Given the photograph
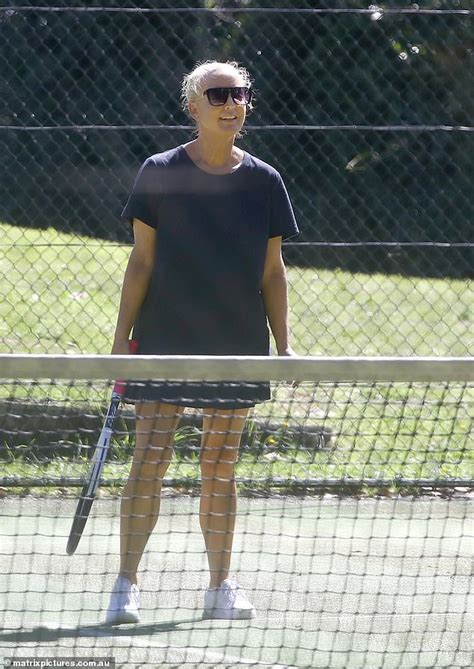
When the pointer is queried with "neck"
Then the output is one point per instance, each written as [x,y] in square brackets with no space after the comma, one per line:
[213,151]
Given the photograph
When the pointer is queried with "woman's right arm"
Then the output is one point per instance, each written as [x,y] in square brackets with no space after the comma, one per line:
[135,284]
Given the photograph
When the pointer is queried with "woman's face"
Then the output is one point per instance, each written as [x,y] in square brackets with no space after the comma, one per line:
[226,119]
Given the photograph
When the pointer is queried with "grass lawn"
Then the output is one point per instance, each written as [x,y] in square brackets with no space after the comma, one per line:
[62,291]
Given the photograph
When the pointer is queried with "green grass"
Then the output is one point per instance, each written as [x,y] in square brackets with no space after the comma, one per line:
[60,293]
[339,313]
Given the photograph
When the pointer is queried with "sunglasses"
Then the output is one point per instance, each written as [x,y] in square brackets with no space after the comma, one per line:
[241,95]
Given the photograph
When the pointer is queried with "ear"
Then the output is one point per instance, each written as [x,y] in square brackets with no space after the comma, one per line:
[193,110]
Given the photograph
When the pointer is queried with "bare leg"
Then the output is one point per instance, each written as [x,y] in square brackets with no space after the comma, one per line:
[222,431]
[140,507]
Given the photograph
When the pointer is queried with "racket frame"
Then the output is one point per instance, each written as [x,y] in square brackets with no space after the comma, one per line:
[89,490]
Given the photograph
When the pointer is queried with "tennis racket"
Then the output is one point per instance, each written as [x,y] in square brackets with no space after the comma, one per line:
[99,456]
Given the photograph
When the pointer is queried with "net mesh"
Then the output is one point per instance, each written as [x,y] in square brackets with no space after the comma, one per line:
[351,535]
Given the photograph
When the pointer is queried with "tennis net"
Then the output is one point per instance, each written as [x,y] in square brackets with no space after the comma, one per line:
[352,536]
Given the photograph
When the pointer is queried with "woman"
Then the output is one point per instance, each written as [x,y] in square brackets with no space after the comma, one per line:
[203,278]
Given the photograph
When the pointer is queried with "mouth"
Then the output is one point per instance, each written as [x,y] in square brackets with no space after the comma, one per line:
[228,118]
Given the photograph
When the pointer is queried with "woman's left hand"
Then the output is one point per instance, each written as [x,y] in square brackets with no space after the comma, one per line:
[288,352]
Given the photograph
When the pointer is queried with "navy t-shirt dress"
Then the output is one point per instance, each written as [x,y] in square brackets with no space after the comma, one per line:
[205,294]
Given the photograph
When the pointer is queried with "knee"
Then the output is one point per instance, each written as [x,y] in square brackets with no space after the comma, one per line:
[149,473]
[217,471]
[152,455]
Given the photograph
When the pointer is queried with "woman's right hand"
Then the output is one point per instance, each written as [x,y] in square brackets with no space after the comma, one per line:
[120,347]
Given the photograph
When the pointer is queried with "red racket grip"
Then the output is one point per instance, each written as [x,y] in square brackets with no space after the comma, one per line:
[119,386]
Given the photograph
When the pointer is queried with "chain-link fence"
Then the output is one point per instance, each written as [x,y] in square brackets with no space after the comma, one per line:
[366,112]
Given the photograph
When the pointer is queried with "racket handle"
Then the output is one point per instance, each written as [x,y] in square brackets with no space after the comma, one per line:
[119,386]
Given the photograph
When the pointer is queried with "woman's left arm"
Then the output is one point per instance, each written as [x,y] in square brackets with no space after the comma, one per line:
[275,296]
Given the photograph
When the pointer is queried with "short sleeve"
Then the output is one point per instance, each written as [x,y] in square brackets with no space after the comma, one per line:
[143,200]
[282,217]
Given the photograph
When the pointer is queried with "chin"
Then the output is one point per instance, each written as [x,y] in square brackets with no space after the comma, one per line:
[230,130]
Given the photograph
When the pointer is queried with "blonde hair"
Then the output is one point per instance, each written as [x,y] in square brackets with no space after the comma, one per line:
[192,84]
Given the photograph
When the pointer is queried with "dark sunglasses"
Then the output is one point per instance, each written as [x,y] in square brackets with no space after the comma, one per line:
[241,95]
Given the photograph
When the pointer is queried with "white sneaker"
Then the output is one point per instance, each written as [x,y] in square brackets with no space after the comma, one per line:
[228,602]
[124,603]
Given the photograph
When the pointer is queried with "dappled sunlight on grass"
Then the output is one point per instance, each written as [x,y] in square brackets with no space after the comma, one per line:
[62,291]
[339,313]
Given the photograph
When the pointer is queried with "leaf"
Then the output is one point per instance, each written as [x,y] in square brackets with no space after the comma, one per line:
[362,160]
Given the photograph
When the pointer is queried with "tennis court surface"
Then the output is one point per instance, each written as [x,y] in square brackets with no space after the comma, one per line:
[336,582]
[354,532]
